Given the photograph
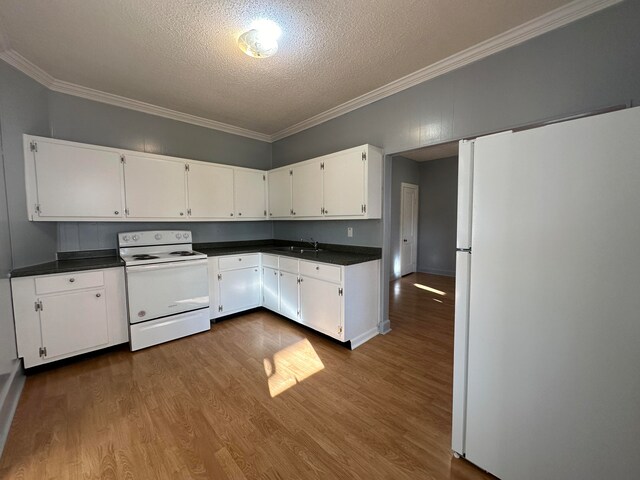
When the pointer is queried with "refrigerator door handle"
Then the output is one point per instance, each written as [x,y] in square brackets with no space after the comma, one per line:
[464,250]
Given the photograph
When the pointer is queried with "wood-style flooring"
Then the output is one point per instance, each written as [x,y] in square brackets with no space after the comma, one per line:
[257,397]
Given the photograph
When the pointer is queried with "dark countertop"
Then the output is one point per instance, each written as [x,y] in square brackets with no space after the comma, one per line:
[98,259]
[330,253]
[63,265]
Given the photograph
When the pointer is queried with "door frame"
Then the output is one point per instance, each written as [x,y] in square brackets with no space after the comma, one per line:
[414,248]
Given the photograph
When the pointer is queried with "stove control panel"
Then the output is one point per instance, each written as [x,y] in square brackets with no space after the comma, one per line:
[154,237]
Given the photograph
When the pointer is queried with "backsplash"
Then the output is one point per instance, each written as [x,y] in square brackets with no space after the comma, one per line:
[74,236]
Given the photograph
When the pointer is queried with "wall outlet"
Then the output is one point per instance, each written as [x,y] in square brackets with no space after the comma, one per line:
[349,231]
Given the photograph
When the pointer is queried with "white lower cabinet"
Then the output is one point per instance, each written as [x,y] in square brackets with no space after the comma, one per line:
[342,302]
[62,315]
[289,301]
[321,306]
[235,284]
[270,289]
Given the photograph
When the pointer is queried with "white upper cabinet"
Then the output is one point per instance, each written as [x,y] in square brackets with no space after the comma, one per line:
[73,181]
[280,193]
[155,188]
[344,184]
[306,182]
[210,190]
[250,194]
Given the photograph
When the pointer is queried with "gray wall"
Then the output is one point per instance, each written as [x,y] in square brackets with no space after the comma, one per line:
[365,232]
[86,121]
[23,109]
[437,216]
[407,171]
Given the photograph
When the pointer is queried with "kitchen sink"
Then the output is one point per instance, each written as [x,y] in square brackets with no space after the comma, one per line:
[294,249]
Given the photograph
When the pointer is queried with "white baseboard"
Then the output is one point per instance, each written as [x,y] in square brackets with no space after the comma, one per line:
[360,339]
[385,327]
[9,397]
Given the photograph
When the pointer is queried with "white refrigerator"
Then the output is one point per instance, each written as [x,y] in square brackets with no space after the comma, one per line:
[547,324]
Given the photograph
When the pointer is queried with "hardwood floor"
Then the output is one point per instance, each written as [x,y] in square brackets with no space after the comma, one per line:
[257,397]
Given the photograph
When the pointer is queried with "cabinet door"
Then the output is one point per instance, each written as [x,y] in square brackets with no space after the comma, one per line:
[270,290]
[321,306]
[210,189]
[74,321]
[239,289]
[155,188]
[74,181]
[250,198]
[289,295]
[344,178]
[306,184]
[280,193]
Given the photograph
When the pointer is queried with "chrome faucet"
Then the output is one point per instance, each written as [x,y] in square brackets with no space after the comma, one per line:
[311,242]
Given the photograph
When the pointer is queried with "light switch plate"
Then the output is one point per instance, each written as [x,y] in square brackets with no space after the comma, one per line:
[349,231]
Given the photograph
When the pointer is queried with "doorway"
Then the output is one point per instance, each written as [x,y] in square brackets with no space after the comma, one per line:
[409,194]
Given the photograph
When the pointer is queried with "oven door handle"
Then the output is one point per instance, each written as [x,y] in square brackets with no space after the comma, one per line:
[166,265]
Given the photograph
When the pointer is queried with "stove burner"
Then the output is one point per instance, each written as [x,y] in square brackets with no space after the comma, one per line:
[184,253]
[144,256]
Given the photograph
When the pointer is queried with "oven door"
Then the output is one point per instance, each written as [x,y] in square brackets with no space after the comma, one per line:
[163,289]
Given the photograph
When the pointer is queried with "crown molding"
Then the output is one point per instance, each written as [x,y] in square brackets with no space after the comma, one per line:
[556,18]
[16,60]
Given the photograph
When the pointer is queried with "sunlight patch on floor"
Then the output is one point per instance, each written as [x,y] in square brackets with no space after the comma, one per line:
[290,366]
[429,289]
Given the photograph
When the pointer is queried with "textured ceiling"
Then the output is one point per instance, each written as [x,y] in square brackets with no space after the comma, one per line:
[183,55]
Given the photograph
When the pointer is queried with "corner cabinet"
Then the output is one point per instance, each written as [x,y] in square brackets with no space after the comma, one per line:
[63,315]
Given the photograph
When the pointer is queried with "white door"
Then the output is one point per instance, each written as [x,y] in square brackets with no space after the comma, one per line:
[553,382]
[280,193]
[344,178]
[270,290]
[307,190]
[78,181]
[250,198]
[289,295]
[210,190]
[321,306]
[74,321]
[155,188]
[239,289]
[409,195]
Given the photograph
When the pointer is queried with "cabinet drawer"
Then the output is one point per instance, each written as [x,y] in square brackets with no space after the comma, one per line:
[69,281]
[289,264]
[270,261]
[239,261]
[322,271]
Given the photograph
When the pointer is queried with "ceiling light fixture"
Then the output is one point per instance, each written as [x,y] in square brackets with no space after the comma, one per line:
[262,40]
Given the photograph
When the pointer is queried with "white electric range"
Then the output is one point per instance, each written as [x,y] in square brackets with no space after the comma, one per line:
[167,286]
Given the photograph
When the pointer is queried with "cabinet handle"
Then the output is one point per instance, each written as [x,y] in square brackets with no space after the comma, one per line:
[181,214]
[239,259]
[116,212]
[326,211]
[98,295]
[256,270]
[72,280]
[280,274]
[240,214]
[231,214]
[276,273]
[317,268]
